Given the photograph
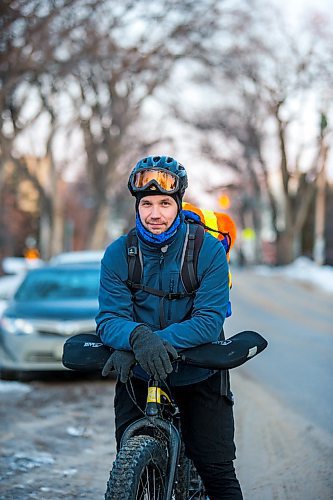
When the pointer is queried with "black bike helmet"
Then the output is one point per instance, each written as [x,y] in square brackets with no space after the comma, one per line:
[155,174]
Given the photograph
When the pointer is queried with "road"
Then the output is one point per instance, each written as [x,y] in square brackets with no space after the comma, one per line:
[284,402]
[57,435]
[297,321]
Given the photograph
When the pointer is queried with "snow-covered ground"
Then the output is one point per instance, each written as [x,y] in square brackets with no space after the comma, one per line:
[303,269]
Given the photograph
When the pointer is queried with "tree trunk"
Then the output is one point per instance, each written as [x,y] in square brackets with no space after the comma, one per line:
[285,248]
[98,237]
[45,233]
[320,212]
[58,229]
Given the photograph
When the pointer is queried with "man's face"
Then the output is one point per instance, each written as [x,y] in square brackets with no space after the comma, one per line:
[157,212]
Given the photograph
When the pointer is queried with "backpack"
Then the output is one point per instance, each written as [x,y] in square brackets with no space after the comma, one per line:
[198,221]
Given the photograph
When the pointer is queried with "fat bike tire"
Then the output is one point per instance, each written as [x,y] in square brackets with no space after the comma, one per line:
[139,471]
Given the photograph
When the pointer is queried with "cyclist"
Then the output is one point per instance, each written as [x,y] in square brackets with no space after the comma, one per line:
[144,327]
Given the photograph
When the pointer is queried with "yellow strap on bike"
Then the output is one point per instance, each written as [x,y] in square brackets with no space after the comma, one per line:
[155,393]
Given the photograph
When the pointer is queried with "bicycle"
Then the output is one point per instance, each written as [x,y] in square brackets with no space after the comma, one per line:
[151,463]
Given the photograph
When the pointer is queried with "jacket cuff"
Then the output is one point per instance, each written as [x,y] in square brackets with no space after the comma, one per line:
[139,330]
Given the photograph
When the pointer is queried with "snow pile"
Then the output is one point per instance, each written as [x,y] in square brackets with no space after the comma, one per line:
[23,462]
[303,269]
[7,386]
[79,431]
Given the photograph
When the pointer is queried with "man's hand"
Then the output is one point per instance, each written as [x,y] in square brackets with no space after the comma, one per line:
[121,362]
[151,352]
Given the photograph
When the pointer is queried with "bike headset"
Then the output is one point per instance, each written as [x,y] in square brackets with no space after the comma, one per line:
[155,175]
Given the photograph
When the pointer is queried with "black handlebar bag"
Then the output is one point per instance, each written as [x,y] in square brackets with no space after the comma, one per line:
[85,352]
[225,354]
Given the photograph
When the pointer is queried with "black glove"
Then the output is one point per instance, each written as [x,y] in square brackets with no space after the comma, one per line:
[151,352]
[121,362]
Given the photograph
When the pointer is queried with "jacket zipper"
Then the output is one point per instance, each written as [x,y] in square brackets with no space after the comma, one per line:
[162,310]
[172,289]
[161,266]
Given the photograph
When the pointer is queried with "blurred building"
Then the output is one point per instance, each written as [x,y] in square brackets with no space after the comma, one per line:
[18,212]
[22,216]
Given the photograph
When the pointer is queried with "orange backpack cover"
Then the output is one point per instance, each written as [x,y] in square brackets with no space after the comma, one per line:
[219,224]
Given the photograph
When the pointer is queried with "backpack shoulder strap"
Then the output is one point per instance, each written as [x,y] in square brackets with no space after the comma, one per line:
[135,266]
[193,241]
[134,258]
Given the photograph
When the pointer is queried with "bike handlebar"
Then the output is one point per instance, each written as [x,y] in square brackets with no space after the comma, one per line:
[86,353]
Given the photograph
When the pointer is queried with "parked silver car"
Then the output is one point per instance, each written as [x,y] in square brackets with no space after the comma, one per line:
[51,304]
[78,257]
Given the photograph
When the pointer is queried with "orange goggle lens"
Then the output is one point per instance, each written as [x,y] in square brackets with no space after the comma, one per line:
[165,181]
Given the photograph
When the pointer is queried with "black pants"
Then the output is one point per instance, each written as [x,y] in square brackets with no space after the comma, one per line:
[207,427]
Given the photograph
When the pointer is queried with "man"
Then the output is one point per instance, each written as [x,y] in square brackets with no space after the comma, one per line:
[143,326]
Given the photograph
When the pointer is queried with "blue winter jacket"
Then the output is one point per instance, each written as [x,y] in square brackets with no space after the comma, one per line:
[190,321]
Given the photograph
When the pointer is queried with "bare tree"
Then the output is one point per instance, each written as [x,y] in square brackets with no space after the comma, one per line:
[88,66]
[259,79]
[122,68]
[29,63]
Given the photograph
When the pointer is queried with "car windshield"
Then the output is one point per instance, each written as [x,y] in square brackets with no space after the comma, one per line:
[59,284]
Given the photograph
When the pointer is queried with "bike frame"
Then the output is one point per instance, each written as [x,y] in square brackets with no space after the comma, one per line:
[159,402]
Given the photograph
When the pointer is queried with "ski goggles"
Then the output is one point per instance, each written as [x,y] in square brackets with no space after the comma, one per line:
[163,180]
